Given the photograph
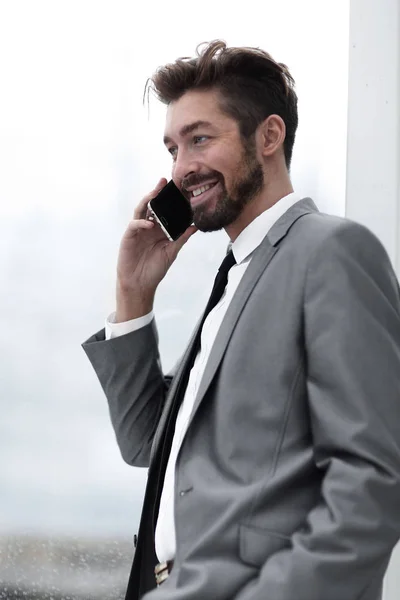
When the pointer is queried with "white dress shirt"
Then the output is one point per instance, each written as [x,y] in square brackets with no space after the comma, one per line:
[243,247]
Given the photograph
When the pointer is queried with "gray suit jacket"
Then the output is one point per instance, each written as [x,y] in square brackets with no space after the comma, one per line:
[288,479]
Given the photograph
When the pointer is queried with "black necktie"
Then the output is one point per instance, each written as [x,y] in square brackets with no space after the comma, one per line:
[218,289]
[216,293]
[219,284]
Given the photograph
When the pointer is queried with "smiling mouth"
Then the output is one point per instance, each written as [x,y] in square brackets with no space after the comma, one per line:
[200,190]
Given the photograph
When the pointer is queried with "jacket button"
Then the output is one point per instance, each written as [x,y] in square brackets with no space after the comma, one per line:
[184,492]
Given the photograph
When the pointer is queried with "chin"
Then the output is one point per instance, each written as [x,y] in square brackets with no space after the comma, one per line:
[207,225]
[209,228]
[219,216]
[212,222]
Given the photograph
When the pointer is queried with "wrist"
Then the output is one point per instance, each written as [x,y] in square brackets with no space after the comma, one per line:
[132,304]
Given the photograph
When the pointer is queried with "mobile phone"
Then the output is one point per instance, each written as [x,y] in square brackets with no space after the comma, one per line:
[172,211]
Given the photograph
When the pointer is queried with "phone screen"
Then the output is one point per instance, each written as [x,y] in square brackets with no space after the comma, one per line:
[172,211]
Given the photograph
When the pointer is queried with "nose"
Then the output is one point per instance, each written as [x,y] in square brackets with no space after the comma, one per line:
[184,166]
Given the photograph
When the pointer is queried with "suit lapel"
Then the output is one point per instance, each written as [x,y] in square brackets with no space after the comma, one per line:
[259,263]
[260,260]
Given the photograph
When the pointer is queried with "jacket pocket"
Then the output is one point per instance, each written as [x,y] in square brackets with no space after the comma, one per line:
[257,545]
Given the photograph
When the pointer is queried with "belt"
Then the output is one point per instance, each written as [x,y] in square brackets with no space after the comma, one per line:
[162,570]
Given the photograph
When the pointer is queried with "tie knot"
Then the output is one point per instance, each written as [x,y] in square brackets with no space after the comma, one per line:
[228,262]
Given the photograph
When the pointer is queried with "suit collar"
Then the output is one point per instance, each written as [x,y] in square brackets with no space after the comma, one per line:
[252,235]
[285,222]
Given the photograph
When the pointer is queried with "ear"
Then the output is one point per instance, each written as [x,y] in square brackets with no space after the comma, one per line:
[272,133]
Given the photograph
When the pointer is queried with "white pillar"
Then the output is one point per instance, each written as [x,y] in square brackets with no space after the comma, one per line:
[373,160]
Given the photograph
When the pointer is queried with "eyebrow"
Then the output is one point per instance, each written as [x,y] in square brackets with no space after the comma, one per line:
[186,129]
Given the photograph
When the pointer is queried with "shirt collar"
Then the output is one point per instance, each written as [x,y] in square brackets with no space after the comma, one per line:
[252,236]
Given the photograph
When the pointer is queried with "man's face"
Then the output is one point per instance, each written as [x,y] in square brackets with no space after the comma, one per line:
[216,171]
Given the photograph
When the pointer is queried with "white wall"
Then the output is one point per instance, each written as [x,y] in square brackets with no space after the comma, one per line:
[373,159]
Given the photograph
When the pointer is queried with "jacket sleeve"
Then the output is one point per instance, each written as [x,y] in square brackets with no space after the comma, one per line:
[128,368]
[352,343]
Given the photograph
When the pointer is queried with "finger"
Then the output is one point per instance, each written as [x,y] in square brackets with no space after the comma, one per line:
[141,209]
[138,224]
[181,241]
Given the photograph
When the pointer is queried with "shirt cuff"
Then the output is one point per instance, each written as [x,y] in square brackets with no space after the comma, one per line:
[114,330]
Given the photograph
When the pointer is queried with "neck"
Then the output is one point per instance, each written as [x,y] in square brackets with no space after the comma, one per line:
[270,195]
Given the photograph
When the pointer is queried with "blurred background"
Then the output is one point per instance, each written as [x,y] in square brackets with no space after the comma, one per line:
[78,149]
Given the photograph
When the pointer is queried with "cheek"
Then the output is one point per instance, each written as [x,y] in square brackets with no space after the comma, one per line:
[232,171]
[223,166]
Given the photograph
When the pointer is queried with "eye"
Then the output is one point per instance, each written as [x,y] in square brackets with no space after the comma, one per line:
[173,151]
[198,139]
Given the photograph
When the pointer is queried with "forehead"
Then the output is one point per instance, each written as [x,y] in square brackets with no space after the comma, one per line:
[196,106]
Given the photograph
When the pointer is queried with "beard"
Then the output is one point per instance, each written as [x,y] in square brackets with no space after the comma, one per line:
[245,187]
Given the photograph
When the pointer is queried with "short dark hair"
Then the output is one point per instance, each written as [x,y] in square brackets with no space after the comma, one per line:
[252,85]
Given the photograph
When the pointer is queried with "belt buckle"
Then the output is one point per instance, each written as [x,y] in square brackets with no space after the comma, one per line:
[161,572]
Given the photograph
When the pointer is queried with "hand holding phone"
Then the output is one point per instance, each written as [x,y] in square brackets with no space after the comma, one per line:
[172,211]
[145,254]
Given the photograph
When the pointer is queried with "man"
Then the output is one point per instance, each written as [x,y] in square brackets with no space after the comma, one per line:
[274,448]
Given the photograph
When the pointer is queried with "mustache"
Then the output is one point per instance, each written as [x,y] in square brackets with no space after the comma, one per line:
[197,180]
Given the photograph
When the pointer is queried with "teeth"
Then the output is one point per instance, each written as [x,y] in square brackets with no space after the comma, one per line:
[201,190]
